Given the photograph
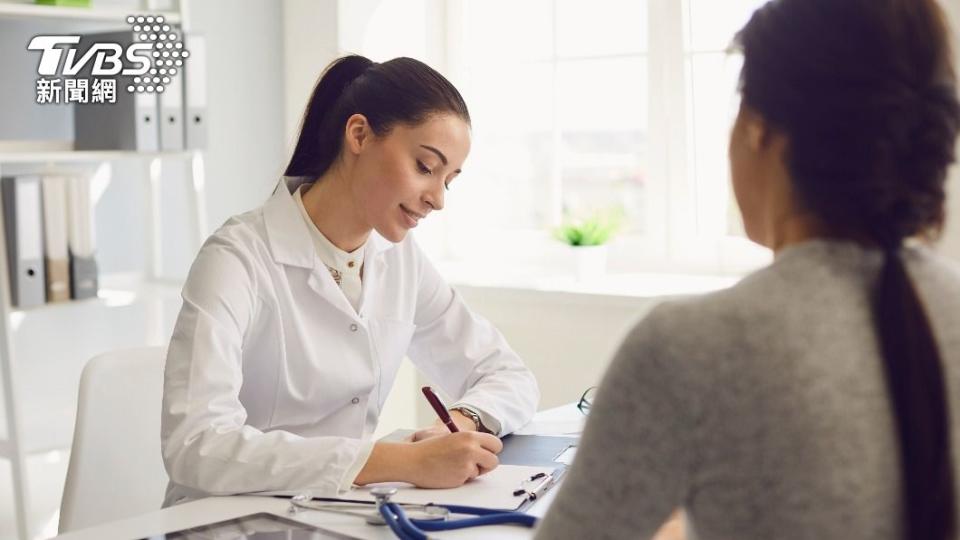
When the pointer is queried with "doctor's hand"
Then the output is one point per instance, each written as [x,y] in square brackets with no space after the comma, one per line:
[438,462]
[452,459]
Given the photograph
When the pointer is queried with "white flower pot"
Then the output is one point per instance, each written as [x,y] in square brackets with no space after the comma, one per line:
[590,262]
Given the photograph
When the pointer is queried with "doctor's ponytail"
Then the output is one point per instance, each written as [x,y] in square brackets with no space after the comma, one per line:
[315,149]
[402,90]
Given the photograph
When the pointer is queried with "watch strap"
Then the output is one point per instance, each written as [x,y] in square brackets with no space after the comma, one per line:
[472,415]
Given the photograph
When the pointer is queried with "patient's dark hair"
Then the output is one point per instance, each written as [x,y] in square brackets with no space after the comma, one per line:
[402,90]
[864,91]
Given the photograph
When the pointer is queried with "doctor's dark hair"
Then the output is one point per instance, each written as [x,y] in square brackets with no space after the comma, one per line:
[402,90]
[865,93]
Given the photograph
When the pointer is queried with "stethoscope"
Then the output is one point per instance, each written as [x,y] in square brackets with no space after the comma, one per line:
[431,517]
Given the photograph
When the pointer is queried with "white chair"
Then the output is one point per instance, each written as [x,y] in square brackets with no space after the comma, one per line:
[115,466]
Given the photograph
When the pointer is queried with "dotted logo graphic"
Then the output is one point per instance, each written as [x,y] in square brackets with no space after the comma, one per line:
[167,55]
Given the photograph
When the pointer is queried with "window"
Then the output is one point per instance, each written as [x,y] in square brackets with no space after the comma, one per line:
[558,94]
[711,88]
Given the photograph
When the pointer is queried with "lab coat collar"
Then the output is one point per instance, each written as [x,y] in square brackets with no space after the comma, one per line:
[287,234]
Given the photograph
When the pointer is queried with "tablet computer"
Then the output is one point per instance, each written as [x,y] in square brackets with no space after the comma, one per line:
[259,526]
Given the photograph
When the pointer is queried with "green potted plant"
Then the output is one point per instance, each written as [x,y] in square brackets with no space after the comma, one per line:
[588,238]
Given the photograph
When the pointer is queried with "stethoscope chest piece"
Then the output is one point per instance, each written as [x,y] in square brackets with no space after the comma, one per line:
[382,494]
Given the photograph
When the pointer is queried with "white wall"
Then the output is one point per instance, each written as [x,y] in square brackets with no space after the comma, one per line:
[315,32]
[566,339]
[310,33]
[245,75]
[951,239]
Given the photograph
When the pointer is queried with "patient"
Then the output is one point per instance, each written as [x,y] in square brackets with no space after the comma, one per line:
[820,397]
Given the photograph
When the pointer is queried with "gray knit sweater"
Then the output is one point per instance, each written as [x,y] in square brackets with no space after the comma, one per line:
[761,409]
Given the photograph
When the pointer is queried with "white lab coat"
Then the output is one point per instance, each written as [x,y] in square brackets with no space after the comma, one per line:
[273,381]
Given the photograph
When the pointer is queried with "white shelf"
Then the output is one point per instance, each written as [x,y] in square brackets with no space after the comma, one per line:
[15,151]
[10,10]
[117,290]
[81,156]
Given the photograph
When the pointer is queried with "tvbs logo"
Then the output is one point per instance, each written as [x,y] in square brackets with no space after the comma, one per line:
[108,58]
[153,57]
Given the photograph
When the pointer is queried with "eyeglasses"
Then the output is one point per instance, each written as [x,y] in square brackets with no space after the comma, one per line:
[586,400]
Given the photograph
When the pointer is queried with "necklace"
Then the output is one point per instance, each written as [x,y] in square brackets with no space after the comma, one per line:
[336,275]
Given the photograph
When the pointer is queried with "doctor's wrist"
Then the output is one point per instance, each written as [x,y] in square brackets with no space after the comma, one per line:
[388,462]
[464,422]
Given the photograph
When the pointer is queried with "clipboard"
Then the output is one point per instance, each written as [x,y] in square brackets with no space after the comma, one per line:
[530,450]
[535,450]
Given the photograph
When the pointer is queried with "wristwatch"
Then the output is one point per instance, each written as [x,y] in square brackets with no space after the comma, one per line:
[472,415]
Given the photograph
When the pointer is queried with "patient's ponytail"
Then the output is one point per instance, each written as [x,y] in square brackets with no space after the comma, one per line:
[402,90]
[917,387]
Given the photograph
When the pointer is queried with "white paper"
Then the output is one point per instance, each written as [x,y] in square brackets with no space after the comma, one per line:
[492,490]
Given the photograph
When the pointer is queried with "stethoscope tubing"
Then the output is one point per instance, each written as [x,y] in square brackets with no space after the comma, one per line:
[399,523]
[413,529]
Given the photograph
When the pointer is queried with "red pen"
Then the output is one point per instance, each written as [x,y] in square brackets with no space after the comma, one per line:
[440,409]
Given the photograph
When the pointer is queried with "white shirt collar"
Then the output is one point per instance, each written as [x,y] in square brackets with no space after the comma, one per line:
[289,237]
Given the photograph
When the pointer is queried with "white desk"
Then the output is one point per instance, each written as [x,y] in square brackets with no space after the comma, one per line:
[566,420]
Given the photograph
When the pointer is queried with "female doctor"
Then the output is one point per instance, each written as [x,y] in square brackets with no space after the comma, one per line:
[296,315]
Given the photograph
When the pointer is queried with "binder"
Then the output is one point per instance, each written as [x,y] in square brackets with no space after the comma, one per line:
[23,228]
[195,95]
[146,125]
[56,254]
[129,124]
[81,246]
[171,114]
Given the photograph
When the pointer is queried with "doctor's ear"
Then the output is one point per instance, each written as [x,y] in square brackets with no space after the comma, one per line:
[356,133]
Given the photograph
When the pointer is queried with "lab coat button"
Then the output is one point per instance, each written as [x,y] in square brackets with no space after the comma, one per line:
[353,327]
[355,400]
